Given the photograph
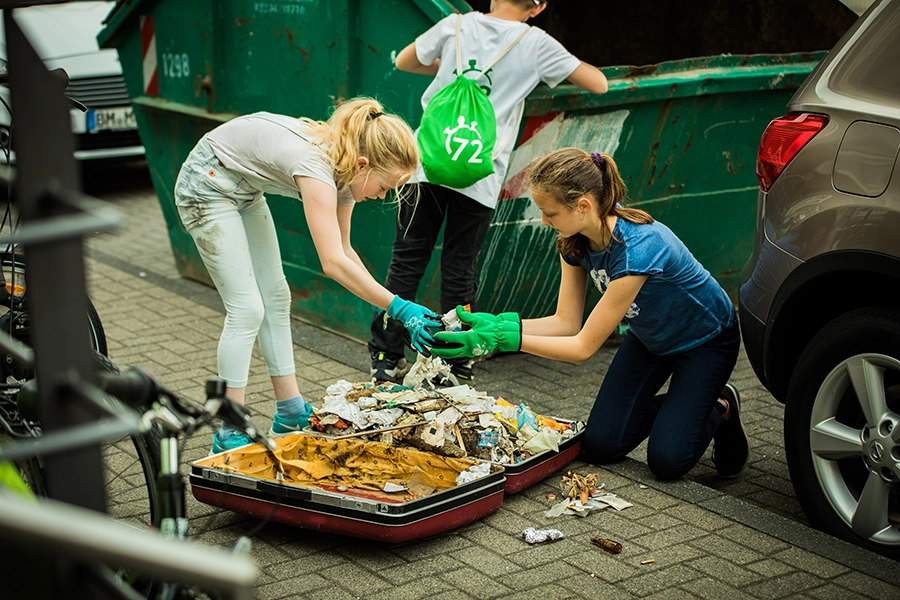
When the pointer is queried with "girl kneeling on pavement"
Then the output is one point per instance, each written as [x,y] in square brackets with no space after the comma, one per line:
[681,324]
[360,153]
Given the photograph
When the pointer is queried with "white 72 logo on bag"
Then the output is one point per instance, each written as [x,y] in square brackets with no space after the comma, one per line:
[463,142]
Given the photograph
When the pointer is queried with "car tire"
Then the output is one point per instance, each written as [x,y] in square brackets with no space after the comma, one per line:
[840,460]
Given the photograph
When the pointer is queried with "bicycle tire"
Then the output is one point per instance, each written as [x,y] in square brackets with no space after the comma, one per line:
[130,470]
[130,464]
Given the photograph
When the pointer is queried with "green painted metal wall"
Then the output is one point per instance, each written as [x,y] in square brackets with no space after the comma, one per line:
[684,133]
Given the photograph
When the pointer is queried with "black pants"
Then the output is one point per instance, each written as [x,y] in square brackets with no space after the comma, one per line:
[467,223]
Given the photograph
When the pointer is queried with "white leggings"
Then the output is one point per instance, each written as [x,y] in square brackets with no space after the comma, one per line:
[232,227]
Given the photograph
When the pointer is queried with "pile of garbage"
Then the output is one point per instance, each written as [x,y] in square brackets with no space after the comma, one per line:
[451,421]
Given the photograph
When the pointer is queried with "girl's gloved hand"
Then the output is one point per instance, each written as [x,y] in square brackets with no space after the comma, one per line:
[489,332]
[415,319]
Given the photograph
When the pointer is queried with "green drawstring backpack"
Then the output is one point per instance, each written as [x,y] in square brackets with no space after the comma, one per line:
[458,131]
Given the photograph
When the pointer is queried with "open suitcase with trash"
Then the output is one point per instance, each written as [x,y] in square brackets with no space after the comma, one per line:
[435,459]
[357,488]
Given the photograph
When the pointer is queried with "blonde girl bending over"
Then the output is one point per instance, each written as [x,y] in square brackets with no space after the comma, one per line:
[360,153]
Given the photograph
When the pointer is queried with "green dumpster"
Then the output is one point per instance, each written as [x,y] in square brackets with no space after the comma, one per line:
[684,132]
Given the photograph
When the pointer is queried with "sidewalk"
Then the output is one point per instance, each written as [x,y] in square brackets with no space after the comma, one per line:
[708,537]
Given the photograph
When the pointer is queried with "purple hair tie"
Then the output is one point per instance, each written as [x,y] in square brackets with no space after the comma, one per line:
[598,160]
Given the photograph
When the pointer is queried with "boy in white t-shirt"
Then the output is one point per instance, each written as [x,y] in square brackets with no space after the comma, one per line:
[537,57]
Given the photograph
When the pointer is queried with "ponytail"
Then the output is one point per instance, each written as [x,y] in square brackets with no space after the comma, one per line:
[361,127]
[570,173]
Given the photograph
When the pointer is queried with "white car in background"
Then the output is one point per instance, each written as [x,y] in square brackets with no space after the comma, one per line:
[65,35]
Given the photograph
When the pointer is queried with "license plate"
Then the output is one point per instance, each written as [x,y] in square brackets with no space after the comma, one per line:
[103,119]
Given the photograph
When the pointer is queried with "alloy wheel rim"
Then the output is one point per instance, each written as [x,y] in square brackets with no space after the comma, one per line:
[855,445]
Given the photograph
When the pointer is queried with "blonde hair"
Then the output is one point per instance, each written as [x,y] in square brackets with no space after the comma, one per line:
[361,127]
[570,173]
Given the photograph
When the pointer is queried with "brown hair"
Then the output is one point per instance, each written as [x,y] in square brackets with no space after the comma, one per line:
[570,173]
[360,127]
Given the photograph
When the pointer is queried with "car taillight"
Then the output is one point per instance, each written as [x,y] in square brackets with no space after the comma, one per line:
[781,141]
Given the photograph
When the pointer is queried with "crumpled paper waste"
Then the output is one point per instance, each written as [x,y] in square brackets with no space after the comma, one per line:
[537,536]
[454,421]
[584,496]
[474,472]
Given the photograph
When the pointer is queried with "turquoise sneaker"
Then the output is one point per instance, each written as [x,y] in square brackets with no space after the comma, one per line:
[280,425]
[235,441]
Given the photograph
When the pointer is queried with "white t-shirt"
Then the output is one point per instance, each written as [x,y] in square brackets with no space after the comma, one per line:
[268,150]
[537,57]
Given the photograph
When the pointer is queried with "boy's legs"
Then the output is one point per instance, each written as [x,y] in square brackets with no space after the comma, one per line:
[417,229]
[467,226]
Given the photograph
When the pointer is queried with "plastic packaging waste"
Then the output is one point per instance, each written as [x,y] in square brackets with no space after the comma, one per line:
[488,438]
[537,536]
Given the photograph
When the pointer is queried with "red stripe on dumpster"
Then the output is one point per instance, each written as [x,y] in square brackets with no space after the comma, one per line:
[514,186]
[148,52]
[534,124]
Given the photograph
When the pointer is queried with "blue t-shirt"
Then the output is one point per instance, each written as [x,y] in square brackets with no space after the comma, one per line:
[680,306]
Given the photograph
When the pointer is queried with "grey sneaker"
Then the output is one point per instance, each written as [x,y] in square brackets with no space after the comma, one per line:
[730,447]
[388,368]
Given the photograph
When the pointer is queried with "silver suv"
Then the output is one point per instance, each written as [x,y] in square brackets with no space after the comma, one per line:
[820,296]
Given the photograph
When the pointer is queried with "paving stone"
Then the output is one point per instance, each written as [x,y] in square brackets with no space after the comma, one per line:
[356,579]
[785,586]
[817,565]
[722,569]
[476,584]
[867,586]
[656,580]
[426,568]
[707,587]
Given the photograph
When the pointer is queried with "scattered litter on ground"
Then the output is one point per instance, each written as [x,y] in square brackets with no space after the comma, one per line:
[648,561]
[610,546]
[582,496]
[538,536]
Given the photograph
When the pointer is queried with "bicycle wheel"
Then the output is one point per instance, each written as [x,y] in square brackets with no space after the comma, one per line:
[130,465]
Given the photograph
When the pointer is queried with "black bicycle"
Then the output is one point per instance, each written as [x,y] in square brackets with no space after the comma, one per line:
[136,397]
[126,460]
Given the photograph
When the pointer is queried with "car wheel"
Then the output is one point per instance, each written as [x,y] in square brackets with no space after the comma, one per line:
[842,429]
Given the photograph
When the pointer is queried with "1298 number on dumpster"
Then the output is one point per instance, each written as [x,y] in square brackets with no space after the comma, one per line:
[103,119]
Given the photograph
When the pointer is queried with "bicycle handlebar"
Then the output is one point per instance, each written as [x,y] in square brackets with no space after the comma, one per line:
[138,389]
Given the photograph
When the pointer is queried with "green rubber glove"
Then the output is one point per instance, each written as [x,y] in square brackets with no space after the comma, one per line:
[488,332]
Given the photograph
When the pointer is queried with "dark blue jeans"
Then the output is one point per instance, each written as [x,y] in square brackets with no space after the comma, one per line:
[680,423]
[418,225]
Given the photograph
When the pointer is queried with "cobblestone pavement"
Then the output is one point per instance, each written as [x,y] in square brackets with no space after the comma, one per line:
[708,537]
